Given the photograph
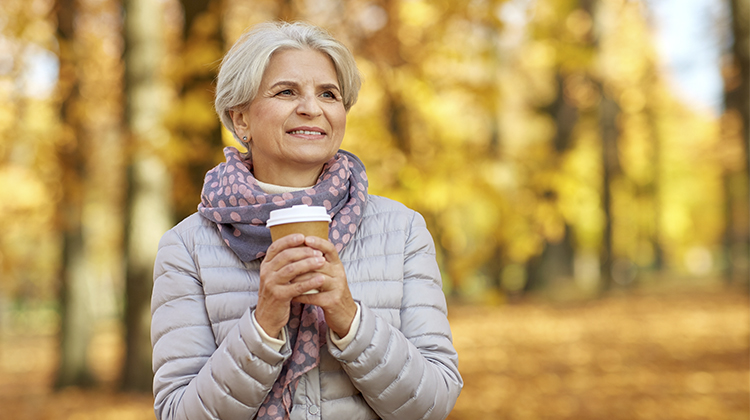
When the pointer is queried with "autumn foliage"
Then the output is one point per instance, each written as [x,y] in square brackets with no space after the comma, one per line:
[549,152]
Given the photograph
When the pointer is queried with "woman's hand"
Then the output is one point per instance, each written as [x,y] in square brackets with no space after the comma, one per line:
[287,271]
[334,297]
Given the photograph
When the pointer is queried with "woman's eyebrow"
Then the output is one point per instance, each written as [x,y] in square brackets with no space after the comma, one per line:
[284,83]
[295,84]
[329,86]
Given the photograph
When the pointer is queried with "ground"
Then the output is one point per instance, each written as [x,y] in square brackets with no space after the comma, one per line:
[677,355]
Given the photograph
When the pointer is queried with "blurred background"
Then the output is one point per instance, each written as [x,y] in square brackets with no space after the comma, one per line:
[581,164]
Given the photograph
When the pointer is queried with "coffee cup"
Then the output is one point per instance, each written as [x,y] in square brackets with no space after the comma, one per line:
[307,220]
[304,219]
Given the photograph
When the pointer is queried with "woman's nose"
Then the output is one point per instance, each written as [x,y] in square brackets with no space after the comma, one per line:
[309,106]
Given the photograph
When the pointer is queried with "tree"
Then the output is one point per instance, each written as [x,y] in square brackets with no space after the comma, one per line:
[149,211]
[608,110]
[609,133]
[736,144]
[575,49]
[76,329]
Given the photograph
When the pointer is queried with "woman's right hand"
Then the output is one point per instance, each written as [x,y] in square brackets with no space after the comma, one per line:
[286,260]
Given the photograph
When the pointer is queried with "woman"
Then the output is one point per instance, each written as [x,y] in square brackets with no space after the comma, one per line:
[234,336]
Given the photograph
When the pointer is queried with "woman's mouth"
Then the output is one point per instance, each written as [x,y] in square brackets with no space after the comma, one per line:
[307,132]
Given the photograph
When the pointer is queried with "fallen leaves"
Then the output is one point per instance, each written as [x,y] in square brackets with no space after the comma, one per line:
[666,356]
[680,356]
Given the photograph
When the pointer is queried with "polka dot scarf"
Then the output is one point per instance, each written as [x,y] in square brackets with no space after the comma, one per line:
[307,331]
[232,199]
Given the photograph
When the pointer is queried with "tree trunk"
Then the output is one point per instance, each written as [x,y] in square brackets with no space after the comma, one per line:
[608,110]
[553,266]
[148,199]
[609,134]
[739,97]
[76,312]
[735,129]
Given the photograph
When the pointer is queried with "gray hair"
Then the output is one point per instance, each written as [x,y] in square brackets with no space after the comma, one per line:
[243,66]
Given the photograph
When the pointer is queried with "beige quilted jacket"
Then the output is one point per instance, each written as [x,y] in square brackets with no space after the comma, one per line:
[210,362]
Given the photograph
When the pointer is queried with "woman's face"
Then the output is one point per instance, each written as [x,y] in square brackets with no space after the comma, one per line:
[297,120]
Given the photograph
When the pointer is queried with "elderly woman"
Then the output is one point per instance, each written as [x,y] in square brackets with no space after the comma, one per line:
[234,334]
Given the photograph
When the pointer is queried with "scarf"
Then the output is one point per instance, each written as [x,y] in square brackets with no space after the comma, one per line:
[233,200]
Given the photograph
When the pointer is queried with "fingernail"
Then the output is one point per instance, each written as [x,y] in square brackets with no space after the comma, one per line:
[318,253]
[320,260]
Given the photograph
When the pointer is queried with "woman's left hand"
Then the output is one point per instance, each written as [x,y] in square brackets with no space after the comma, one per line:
[334,298]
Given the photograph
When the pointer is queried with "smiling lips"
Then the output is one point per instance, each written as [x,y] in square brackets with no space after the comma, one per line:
[306,131]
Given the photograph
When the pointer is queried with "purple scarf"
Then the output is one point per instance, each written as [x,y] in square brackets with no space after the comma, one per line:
[232,199]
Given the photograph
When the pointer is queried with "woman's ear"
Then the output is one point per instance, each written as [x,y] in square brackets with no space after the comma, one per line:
[240,121]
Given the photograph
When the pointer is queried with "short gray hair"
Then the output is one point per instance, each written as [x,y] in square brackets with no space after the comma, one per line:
[243,66]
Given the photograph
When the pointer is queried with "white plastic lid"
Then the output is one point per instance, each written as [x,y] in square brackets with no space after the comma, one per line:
[298,214]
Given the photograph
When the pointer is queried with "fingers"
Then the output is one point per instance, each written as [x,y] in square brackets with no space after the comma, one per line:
[288,270]
[338,307]
[335,297]
[308,283]
[324,246]
[292,263]
[300,264]
[332,272]
[289,241]
[289,249]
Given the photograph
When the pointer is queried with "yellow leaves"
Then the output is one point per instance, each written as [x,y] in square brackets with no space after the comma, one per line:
[579,23]
[22,191]
[410,177]
[500,175]
[581,91]
[632,100]
[194,113]
[438,194]
[199,58]
[8,113]
[513,277]
[27,244]
[541,128]
[627,54]
[456,119]
[539,55]
[474,109]
[638,150]
[633,357]
[418,13]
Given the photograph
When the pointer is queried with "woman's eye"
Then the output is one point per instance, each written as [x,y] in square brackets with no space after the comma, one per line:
[329,95]
[285,92]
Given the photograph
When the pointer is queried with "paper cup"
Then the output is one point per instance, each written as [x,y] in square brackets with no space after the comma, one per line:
[307,220]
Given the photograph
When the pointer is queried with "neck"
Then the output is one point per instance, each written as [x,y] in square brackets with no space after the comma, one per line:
[296,179]
[278,189]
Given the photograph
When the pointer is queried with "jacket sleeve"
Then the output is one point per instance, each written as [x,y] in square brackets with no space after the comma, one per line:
[411,372]
[193,377]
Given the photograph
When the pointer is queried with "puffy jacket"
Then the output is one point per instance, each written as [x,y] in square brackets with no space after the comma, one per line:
[210,362]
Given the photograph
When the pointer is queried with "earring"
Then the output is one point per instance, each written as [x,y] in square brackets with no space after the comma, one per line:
[244,138]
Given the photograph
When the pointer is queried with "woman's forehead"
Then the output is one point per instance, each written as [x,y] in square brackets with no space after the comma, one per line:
[295,66]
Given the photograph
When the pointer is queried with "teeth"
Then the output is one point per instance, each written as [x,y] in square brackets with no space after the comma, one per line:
[305,132]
